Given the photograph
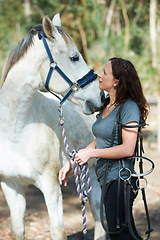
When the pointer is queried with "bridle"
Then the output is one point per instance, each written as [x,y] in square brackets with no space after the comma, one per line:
[73,86]
[81,172]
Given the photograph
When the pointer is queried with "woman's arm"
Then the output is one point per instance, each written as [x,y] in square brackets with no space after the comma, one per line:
[92,145]
[126,149]
[63,173]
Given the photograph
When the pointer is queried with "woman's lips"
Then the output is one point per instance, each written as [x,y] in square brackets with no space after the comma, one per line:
[99,80]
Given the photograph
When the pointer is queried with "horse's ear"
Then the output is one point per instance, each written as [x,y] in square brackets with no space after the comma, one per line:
[49,29]
[56,20]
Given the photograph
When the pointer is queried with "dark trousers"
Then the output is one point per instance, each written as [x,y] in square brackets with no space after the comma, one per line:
[110,204]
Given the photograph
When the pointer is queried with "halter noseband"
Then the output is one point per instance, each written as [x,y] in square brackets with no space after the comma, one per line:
[82,82]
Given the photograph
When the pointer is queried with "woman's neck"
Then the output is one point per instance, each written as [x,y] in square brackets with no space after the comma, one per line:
[112,100]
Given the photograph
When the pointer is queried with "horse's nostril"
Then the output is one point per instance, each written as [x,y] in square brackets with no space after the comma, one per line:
[102,99]
[90,106]
[102,96]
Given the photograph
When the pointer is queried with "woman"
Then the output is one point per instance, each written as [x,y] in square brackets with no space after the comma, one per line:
[120,80]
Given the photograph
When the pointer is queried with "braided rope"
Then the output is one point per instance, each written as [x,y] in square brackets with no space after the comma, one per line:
[82,178]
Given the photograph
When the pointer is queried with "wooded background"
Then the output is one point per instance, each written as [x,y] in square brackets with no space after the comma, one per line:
[100,28]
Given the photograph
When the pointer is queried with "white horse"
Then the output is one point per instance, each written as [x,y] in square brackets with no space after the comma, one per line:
[31,147]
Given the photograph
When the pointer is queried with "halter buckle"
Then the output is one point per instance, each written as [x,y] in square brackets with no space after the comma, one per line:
[74,87]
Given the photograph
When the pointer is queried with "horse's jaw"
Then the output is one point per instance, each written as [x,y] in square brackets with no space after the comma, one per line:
[90,98]
[89,108]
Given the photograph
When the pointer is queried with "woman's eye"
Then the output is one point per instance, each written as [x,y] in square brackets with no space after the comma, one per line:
[74,58]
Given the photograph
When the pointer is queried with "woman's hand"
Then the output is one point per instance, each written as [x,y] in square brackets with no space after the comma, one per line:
[83,156]
[64,172]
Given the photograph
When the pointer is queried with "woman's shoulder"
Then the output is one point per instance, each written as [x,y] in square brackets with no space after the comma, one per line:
[130,103]
[130,111]
[130,106]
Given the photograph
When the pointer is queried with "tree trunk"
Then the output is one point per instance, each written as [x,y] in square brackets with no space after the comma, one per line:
[109,17]
[84,42]
[158,37]
[126,20]
[27,9]
[117,20]
[153,34]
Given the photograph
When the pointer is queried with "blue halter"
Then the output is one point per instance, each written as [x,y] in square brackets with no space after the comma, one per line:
[82,82]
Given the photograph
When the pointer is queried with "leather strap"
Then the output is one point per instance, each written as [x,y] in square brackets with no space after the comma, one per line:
[115,124]
[127,190]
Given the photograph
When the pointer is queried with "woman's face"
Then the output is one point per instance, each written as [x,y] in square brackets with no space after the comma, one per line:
[107,82]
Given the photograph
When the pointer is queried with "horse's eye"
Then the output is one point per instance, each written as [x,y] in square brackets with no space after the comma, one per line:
[74,58]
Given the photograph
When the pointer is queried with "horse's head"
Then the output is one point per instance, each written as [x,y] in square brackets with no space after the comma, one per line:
[70,61]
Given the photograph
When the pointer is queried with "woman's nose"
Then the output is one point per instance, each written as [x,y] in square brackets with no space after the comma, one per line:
[100,75]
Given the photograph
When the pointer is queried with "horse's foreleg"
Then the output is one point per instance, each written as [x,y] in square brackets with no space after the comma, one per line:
[94,198]
[53,198]
[15,197]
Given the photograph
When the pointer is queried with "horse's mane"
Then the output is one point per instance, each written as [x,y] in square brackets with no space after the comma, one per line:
[19,51]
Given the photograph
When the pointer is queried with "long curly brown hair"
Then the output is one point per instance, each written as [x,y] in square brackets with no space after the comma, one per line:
[129,85]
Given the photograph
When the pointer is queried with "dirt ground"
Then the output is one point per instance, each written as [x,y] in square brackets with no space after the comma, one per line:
[36,217]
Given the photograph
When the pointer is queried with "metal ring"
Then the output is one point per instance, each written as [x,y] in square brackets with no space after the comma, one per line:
[53,64]
[126,169]
[146,173]
[138,181]
[74,87]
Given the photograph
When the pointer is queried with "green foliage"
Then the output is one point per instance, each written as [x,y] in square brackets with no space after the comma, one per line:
[89,17]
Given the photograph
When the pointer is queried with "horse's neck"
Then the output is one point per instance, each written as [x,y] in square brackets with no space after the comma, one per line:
[17,94]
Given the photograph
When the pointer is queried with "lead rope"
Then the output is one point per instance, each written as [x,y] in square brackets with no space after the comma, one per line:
[81,174]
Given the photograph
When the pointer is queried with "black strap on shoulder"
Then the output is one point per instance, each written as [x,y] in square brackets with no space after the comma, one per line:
[104,186]
[138,152]
[115,124]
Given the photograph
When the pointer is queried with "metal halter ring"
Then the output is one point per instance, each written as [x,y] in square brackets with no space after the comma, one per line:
[123,170]
[74,87]
[138,181]
[53,64]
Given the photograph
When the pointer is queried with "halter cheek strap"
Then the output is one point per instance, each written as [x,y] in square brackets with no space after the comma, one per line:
[82,82]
